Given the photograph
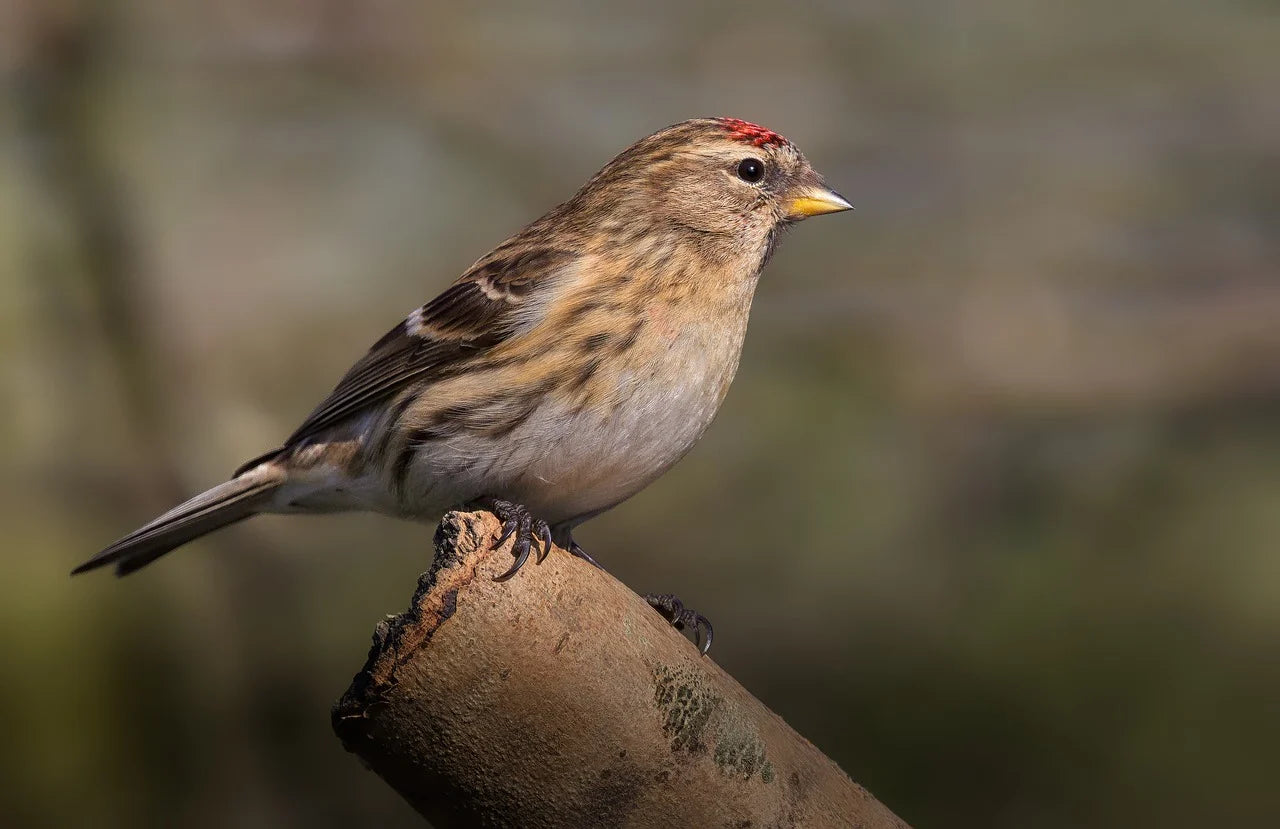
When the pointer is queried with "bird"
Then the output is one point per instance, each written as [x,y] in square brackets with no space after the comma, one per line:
[560,374]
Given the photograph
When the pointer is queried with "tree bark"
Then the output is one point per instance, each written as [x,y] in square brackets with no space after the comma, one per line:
[560,698]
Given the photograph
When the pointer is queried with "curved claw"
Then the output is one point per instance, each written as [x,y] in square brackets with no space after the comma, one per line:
[508,527]
[699,623]
[576,550]
[521,551]
[681,618]
[544,534]
[530,534]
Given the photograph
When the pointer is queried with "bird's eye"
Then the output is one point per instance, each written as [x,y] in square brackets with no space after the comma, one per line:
[751,170]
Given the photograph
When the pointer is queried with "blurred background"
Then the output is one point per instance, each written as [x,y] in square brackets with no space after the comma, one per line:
[991,515]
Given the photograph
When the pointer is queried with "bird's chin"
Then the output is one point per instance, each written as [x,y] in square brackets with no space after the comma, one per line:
[775,236]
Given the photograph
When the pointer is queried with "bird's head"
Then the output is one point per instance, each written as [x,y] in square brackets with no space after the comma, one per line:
[726,184]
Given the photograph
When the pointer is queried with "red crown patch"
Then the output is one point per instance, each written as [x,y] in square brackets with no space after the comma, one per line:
[751,133]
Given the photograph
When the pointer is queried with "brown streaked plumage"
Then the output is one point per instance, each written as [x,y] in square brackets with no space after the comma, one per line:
[562,373]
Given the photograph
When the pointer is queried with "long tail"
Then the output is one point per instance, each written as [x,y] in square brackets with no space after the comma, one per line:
[225,504]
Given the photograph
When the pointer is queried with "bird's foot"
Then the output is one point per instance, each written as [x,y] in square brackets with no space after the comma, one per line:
[577,550]
[528,531]
[682,618]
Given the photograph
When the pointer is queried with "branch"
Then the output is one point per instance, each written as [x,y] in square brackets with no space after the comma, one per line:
[559,698]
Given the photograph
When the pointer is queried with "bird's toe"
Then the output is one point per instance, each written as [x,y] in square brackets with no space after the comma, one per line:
[683,618]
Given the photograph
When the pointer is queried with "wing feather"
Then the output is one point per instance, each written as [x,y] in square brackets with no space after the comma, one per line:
[485,307]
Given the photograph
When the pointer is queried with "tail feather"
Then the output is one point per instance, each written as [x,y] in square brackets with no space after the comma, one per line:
[236,500]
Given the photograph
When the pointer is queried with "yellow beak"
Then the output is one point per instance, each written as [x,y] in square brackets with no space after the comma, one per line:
[816,201]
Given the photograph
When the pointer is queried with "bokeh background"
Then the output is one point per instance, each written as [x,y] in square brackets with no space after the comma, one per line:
[992,513]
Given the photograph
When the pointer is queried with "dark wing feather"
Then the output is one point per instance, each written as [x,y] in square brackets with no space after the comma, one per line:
[476,313]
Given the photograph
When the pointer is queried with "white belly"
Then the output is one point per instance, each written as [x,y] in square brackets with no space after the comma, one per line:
[595,462]
[567,466]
